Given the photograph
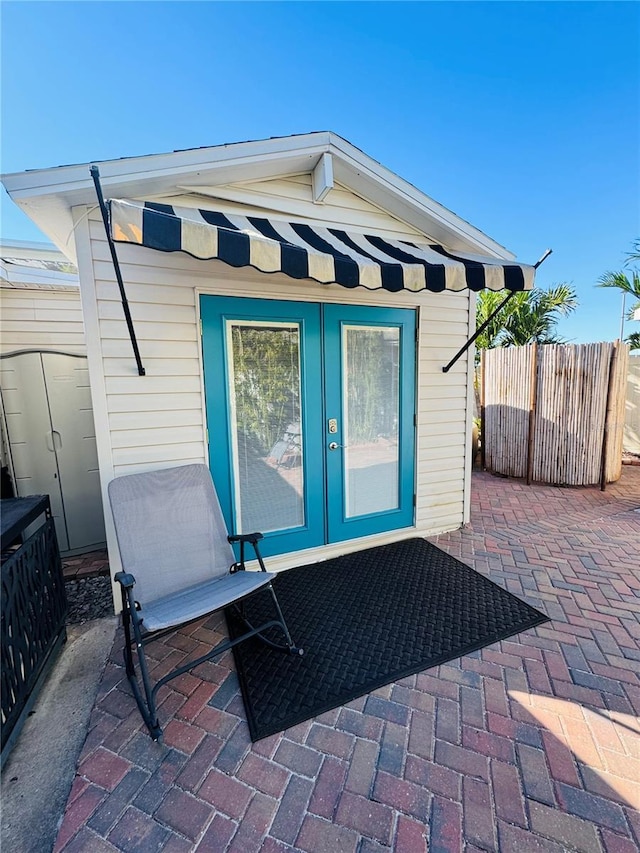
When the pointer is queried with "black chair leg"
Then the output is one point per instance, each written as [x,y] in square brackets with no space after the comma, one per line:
[253,539]
[146,697]
[126,624]
[291,648]
[279,622]
[146,704]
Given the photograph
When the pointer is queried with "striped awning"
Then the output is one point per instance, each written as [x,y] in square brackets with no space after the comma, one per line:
[326,255]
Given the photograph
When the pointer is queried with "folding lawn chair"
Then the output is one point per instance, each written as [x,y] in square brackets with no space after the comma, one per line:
[288,448]
[178,565]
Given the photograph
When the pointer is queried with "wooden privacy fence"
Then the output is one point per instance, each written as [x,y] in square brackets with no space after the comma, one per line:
[554,413]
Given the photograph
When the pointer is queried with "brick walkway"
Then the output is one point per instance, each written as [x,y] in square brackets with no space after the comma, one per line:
[532,744]
[89,565]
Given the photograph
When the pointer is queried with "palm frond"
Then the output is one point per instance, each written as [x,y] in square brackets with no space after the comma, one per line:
[633,340]
[528,317]
[634,254]
[561,298]
[622,282]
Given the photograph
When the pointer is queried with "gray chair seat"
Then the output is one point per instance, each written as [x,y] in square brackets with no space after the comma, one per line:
[198,600]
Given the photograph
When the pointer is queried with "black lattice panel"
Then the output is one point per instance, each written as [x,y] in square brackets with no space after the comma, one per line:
[34,608]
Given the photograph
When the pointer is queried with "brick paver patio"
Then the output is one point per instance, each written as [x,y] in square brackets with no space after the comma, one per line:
[532,744]
[90,565]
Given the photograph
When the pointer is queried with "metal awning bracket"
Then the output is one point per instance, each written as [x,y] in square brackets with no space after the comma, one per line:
[481,329]
[95,174]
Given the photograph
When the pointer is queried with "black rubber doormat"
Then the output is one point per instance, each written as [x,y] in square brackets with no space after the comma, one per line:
[365,620]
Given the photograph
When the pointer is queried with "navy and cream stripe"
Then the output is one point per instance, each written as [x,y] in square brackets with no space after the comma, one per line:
[326,255]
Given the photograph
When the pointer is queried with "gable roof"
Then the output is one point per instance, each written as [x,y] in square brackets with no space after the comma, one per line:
[47,196]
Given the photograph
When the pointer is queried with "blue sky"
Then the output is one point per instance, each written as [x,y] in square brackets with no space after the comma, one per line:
[520,117]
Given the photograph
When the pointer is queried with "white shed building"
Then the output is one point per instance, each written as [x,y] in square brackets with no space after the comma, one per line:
[294,303]
[46,422]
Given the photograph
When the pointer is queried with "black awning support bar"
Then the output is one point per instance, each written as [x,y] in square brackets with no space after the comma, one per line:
[95,174]
[478,332]
[481,329]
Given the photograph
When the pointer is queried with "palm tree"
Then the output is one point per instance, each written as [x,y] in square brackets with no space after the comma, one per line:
[528,317]
[629,285]
[488,301]
[536,317]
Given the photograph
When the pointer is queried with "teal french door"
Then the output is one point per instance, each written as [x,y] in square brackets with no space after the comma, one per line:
[310,412]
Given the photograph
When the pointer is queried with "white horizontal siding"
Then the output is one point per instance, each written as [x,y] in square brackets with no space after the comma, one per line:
[437,406]
[150,454]
[108,291]
[122,469]
[153,402]
[432,392]
[451,464]
[121,348]
[153,366]
[442,414]
[154,419]
[441,406]
[443,516]
[453,430]
[153,386]
[149,330]
[152,435]
[52,339]
[38,315]
[33,319]
[152,311]
[32,328]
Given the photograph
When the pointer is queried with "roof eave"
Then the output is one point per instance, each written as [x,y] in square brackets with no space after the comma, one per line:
[30,278]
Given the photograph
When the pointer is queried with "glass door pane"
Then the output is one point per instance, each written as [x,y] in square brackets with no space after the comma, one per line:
[263,389]
[371,417]
[266,424]
[369,364]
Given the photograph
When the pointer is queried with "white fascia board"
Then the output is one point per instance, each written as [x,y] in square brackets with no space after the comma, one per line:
[165,169]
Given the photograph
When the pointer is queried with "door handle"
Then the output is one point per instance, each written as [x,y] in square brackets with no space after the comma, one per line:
[334,445]
[53,441]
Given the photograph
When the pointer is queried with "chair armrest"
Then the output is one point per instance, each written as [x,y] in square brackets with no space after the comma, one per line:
[125,579]
[246,537]
[252,539]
